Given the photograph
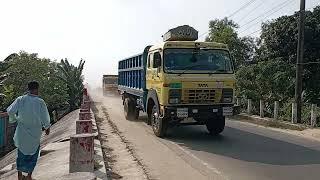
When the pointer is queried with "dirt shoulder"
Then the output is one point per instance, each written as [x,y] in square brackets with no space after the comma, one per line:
[120,159]
[154,157]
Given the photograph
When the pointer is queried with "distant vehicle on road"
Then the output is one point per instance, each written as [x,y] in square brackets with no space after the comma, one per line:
[179,82]
[109,84]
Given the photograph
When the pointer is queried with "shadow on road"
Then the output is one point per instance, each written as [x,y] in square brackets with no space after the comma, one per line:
[244,146]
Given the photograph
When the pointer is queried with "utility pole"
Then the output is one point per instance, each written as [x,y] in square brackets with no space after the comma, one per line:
[299,68]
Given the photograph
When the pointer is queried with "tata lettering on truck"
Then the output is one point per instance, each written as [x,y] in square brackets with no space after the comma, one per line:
[179,82]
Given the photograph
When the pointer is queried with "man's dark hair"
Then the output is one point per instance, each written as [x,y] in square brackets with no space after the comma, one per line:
[33,85]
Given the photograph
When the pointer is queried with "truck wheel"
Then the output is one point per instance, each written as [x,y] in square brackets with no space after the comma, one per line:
[159,125]
[216,126]
[130,110]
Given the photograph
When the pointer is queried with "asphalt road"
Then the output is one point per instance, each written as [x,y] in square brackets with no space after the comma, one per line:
[242,152]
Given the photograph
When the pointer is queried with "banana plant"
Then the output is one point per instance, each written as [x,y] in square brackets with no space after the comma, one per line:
[72,76]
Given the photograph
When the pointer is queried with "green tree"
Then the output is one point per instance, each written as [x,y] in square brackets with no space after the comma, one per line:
[4,65]
[224,31]
[279,43]
[73,78]
[25,67]
[272,77]
[2,78]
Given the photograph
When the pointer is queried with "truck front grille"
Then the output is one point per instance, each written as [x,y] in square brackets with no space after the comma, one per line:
[199,96]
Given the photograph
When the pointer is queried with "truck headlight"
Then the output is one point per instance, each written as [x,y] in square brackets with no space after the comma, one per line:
[174,100]
[227,96]
[174,96]
[227,100]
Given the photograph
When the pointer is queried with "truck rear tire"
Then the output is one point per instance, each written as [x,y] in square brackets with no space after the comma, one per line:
[130,110]
[216,126]
[159,125]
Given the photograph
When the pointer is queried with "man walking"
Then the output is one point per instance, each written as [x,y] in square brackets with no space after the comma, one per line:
[31,114]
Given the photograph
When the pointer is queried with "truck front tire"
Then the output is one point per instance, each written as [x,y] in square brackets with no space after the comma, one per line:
[159,125]
[130,110]
[216,126]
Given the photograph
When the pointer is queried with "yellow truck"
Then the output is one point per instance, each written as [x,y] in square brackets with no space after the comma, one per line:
[179,82]
[109,84]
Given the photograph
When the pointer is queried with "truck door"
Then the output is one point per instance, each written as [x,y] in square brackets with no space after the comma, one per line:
[154,72]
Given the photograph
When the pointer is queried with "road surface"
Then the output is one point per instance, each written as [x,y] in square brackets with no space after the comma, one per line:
[242,152]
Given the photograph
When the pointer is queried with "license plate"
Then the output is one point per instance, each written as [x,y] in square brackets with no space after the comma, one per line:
[188,120]
[182,112]
[227,111]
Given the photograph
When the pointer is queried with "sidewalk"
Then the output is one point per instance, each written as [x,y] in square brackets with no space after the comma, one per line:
[286,127]
[54,154]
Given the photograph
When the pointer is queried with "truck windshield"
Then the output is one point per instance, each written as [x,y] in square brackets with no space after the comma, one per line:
[110,81]
[197,61]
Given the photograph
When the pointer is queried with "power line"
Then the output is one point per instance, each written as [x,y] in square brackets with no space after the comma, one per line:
[271,14]
[259,30]
[201,35]
[265,16]
[241,19]
[241,8]
[232,14]
[312,6]
[268,13]
[282,5]
[261,20]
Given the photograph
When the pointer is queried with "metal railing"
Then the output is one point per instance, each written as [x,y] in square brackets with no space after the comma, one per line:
[6,135]
[278,110]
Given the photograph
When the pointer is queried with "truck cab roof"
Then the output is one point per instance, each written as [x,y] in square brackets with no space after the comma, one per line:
[106,75]
[188,44]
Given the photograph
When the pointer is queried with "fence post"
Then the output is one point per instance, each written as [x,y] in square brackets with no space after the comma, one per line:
[238,101]
[313,115]
[85,107]
[54,116]
[81,153]
[85,115]
[294,113]
[276,110]
[249,110]
[83,126]
[261,109]
[78,176]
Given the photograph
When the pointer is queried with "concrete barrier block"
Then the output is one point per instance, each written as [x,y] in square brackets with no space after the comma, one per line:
[83,126]
[86,98]
[85,107]
[85,116]
[87,102]
[81,153]
[78,176]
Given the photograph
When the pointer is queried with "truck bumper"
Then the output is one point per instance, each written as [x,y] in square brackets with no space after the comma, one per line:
[198,112]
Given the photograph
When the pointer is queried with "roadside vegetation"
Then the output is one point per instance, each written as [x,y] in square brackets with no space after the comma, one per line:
[265,65]
[61,83]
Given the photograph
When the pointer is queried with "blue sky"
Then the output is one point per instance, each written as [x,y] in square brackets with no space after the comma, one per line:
[105,31]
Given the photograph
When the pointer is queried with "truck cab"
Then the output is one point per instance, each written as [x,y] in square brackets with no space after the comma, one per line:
[185,83]
[109,84]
